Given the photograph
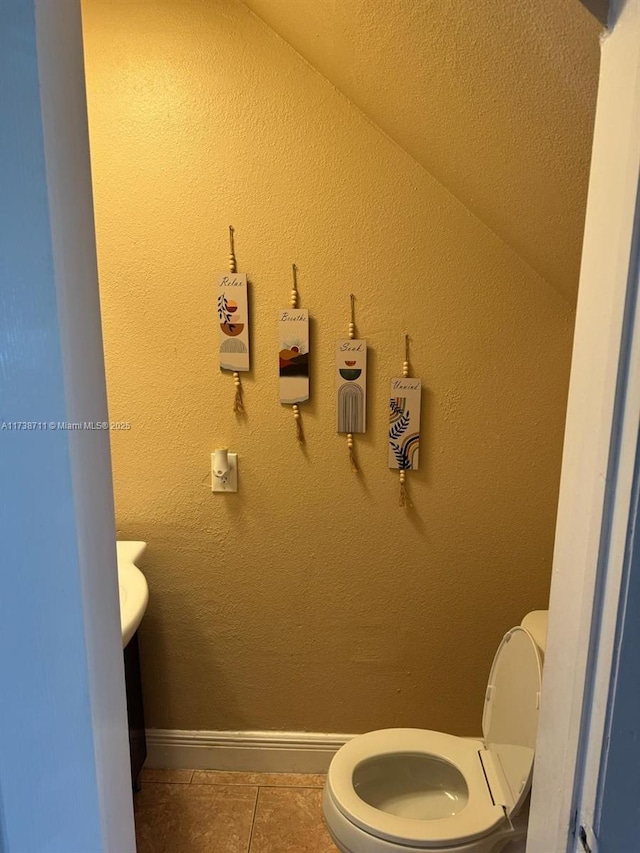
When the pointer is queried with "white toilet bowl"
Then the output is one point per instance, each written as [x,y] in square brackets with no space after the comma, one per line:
[408,790]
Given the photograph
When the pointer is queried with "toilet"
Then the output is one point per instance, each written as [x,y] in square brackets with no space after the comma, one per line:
[409,790]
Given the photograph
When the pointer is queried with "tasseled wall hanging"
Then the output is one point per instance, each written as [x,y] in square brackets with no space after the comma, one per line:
[404,424]
[233,316]
[293,331]
[351,378]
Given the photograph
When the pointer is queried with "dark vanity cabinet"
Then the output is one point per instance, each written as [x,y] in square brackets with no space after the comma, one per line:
[135,710]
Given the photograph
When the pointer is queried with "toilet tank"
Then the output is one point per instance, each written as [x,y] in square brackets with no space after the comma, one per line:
[536,624]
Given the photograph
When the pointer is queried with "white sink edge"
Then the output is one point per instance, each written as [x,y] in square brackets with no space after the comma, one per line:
[130,552]
[132,586]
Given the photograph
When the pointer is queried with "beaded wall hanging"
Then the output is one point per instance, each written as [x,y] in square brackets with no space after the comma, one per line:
[404,424]
[351,387]
[233,321]
[293,335]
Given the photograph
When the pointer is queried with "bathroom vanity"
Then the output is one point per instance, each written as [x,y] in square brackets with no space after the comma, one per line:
[134,597]
[135,710]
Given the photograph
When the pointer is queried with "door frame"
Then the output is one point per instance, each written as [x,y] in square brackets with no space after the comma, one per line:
[65,782]
[598,462]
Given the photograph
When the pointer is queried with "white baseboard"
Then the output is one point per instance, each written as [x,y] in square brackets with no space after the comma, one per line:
[260,752]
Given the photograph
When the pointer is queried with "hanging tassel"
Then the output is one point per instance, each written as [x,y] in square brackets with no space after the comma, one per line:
[404,498]
[238,403]
[299,431]
[352,455]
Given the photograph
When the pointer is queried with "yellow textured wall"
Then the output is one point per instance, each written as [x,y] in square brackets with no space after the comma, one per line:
[494,99]
[309,600]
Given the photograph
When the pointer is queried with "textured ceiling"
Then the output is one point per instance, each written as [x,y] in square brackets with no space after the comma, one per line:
[496,100]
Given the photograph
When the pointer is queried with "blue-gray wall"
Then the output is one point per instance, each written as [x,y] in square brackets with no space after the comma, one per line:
[52,788]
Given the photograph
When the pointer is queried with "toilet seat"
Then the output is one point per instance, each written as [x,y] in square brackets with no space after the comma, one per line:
[399,790]
[479,817]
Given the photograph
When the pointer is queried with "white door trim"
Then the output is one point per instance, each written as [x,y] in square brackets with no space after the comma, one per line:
[615,568]
[597,463]
[66,145]
[65,780]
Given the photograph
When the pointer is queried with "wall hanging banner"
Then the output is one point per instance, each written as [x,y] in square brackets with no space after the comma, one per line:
[404,423]
[293,330]
[351,379]
[233,319]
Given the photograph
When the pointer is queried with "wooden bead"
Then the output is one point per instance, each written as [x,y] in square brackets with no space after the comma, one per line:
[296,412]
[349,440]
[402,476]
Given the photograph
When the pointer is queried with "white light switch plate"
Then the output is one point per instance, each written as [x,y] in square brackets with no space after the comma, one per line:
[231,483]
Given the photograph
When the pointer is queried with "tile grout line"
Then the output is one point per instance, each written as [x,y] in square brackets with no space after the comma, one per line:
[253,819]
[246,785]
[293,787]
[255,784]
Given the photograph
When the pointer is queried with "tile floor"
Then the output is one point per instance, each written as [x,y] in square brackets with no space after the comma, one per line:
[187,811]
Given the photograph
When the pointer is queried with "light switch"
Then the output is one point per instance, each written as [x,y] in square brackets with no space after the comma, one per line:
[224,471]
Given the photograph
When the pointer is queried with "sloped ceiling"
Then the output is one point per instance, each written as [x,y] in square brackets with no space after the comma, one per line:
[496,100]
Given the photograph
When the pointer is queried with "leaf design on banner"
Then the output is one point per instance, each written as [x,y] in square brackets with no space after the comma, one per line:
[396,409]
[400,426]
[224,313]
[401,456]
